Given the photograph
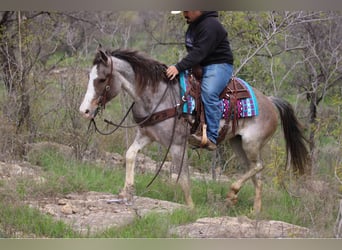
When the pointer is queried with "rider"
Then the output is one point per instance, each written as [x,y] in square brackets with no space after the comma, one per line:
[207,45]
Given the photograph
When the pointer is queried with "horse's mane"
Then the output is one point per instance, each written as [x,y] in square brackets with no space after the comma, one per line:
[148,71]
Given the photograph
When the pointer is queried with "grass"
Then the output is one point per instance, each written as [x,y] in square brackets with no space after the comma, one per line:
[65,176]
[151,226]
[28,222]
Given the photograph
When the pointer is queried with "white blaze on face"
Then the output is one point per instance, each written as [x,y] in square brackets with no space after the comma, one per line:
[86,107]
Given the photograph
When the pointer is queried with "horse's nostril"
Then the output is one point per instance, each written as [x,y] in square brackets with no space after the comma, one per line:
[87,111]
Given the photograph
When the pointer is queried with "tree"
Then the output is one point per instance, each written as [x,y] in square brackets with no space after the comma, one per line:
[17,59]
[317,43]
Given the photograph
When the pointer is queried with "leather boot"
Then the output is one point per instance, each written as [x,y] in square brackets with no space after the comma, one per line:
[196,141]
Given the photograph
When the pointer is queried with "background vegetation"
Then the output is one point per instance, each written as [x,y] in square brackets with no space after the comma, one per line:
[44,61]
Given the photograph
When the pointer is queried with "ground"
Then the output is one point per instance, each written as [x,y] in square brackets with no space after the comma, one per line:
[94,212]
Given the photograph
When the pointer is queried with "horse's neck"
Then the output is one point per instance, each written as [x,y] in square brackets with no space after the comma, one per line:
[128,87]
[166,95]
[125,75]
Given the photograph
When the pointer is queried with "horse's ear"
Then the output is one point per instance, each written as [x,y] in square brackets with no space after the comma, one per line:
[103,55]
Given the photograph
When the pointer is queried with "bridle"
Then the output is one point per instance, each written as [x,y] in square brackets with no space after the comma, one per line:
[103,98]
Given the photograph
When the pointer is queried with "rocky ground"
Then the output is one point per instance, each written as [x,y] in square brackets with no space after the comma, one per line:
[93,212]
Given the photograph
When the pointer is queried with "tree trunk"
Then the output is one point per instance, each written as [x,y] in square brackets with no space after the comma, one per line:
[313,129]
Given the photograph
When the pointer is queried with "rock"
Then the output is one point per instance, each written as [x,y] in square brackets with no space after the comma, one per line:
[62,202]
[67,209]
[12,172]
[90,213]
[239,227]
[48,209]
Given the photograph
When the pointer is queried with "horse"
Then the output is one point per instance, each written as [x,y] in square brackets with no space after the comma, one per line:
[144,80]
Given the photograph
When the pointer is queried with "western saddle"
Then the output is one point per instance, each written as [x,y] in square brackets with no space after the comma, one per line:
[234,91]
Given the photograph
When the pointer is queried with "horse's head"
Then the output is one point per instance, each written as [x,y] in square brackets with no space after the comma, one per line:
[101,88]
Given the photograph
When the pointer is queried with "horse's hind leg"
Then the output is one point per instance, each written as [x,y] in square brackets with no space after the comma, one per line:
[255,168]
[139,142]
[250,155]
[258,189]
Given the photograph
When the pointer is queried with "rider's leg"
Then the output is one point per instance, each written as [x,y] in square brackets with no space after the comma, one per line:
[215,78]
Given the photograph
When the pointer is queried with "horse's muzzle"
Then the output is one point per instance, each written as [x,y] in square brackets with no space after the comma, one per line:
[89,114]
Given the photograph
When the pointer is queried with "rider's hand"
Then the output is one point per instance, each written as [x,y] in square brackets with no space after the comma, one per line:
[171,72]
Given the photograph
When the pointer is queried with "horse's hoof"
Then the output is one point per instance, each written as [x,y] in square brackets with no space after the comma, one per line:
[124,197]
[118,201]
[121,200]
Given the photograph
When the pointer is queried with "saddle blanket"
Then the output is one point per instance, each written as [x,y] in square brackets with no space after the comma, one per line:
[247,107]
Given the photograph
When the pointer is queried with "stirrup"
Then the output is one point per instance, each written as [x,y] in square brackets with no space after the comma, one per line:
[204,135]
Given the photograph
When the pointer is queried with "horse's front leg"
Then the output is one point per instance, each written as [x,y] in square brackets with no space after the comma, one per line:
[139,142]
[180,164]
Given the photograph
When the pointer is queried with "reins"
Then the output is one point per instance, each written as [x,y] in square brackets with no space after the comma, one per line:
[164,159]
[117,126]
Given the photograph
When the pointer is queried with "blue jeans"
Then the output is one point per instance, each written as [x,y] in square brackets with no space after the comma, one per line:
[215,79]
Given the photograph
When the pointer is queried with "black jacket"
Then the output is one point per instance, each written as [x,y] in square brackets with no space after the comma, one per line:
[206,42]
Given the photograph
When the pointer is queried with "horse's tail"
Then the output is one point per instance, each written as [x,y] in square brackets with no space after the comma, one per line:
[295,140]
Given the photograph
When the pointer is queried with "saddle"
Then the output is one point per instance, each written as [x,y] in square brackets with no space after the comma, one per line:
[233,92]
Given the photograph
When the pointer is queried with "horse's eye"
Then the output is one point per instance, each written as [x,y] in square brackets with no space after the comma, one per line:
[102,80]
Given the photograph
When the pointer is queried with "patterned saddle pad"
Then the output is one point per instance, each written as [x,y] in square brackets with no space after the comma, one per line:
[246,107]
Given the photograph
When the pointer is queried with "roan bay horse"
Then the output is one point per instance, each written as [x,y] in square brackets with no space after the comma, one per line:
[144,79]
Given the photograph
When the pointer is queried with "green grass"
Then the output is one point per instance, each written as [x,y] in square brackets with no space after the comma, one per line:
[28,222]
[65,176]
[280,206]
